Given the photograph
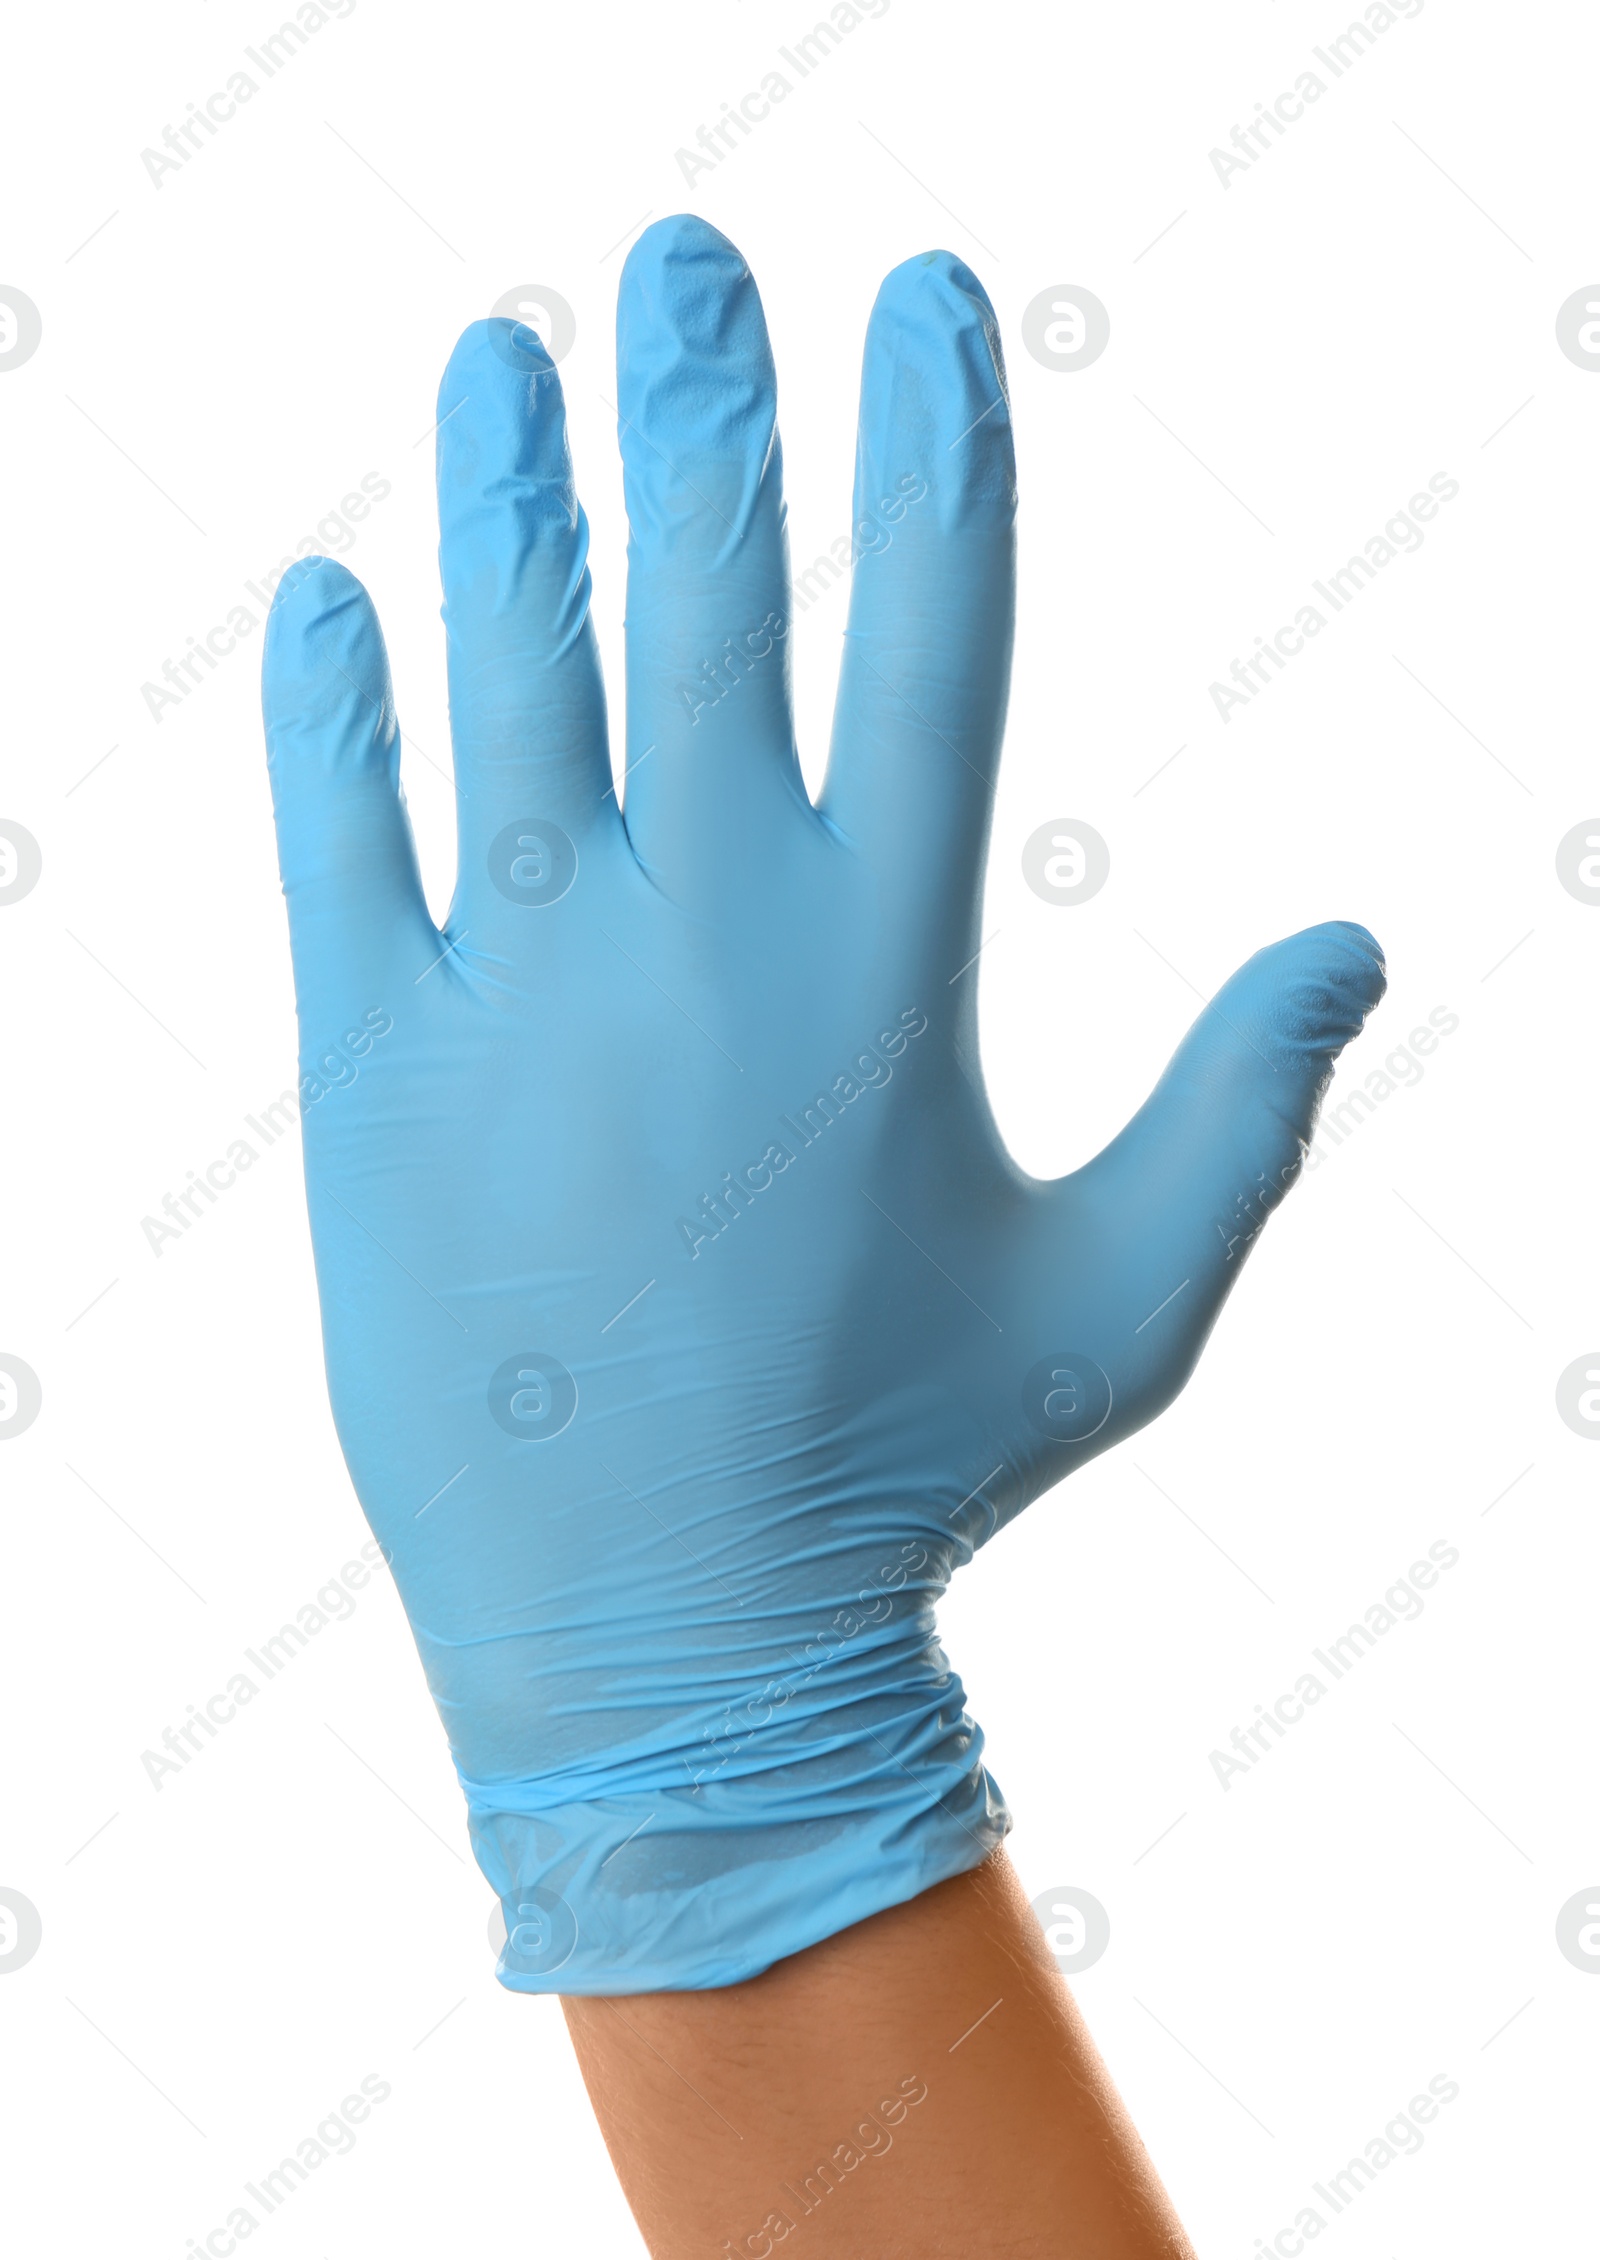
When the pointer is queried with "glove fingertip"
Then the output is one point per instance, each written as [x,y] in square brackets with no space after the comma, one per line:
[324,670]
[1344,934]
[934,396]
[1330,978]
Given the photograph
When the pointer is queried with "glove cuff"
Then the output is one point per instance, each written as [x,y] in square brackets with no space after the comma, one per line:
[675,1886]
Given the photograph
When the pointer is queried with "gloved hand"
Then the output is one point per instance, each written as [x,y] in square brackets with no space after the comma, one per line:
[687,1323]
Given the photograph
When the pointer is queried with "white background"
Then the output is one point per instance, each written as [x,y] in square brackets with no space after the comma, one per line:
[1300,350]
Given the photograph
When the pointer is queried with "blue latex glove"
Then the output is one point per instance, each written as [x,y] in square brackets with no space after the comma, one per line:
[687,1323]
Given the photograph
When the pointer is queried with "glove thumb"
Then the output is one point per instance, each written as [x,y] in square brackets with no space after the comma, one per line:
[1175,1202]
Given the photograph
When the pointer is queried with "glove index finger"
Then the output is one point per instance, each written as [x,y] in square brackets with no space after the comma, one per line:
[345,851]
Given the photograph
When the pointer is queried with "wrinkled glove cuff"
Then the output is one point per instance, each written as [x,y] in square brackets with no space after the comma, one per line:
[672,1885]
